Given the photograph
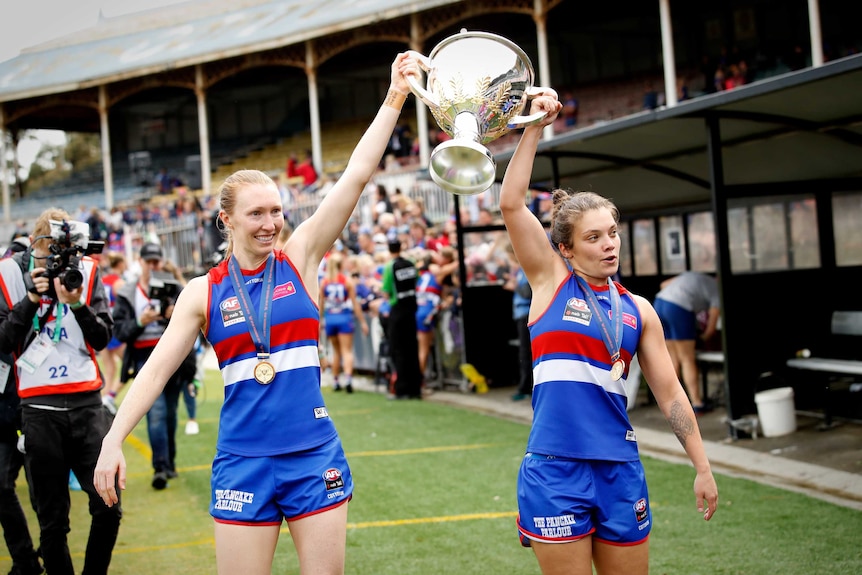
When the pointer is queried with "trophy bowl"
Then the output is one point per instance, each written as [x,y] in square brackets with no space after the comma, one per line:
[478,85]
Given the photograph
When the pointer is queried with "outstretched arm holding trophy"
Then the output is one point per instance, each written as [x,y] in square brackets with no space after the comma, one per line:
[478,86]
[296,470]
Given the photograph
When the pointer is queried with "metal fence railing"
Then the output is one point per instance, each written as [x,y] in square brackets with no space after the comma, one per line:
[181,239]
[439,204]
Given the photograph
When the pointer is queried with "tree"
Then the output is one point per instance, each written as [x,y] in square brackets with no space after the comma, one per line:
[82,150]
[56,162]
[47,167]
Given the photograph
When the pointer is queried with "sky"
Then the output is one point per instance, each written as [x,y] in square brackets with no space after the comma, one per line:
[32,22]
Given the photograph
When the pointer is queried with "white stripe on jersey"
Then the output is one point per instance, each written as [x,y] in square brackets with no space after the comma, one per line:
[285,360]
[577,371]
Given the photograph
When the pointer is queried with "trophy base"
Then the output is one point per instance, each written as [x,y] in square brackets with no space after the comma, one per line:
[462,167]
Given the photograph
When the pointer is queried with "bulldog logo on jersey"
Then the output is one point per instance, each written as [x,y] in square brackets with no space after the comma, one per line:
[231,312]
[578,311]
[332,478]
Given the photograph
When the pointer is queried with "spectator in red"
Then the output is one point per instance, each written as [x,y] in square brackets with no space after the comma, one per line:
[304,169]
[736,77]
[436,239]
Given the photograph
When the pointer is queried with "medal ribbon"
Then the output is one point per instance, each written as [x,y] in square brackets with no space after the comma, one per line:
[613,343]
[259,323]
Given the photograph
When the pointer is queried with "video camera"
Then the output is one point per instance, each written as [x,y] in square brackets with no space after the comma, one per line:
[165,290]
[71,242]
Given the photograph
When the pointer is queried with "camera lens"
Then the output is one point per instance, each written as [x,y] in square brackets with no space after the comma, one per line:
[72,279]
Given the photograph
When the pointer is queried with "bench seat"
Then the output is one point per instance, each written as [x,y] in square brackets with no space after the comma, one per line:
[836,366]
[844,324]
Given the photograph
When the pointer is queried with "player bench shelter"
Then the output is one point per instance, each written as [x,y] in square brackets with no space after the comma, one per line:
[795,138]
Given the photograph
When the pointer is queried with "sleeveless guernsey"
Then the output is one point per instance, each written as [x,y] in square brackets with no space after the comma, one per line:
[109,280]
[335,298]
[428,290]
[287,415]
[575,400]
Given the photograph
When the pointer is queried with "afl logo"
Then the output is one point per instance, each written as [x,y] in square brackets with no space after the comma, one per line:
[577,311]
[333,479]
[230,304]
[640,508]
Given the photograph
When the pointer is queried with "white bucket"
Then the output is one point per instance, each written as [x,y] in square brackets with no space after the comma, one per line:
[776,411]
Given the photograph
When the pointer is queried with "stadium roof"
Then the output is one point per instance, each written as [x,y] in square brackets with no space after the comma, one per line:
[183,35]
[801,126]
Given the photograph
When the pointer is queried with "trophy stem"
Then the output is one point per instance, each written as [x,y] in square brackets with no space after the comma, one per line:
[463,165]
[466,127]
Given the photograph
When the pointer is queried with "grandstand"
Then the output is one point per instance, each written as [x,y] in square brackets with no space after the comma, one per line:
[259,111]
[598,104]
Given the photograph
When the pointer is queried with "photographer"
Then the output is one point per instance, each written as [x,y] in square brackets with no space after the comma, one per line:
[53,320]
[141,313]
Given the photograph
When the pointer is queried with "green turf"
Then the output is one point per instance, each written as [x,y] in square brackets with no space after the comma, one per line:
[435,494]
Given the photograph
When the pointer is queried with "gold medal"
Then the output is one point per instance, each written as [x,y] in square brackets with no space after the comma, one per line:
[617,369]
[264,372]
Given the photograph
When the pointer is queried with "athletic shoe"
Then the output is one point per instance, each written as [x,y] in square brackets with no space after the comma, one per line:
[109,404]
[160,480]
[192,427]
[349,388]
[172,473]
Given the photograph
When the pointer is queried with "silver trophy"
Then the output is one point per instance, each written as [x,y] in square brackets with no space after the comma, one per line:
[478,85]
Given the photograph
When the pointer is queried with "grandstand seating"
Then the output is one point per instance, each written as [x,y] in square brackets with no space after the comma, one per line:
[597,103]
[337,141]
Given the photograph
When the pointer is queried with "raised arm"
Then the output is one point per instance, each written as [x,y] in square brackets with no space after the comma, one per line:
[528,237]
[173,347]
[312,238]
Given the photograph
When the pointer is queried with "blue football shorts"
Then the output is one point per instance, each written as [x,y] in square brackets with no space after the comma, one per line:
[265,490]
[679,324]
[339,323]
[562,500]
[426,318]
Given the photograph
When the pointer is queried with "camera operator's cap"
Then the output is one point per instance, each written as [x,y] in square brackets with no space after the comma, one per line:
[151,251]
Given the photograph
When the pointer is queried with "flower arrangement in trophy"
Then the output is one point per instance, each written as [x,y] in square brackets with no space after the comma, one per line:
[478,85]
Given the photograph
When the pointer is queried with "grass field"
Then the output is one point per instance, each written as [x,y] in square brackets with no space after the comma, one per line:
[435,493]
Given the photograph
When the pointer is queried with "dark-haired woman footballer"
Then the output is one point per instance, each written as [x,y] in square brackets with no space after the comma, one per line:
[582,494]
